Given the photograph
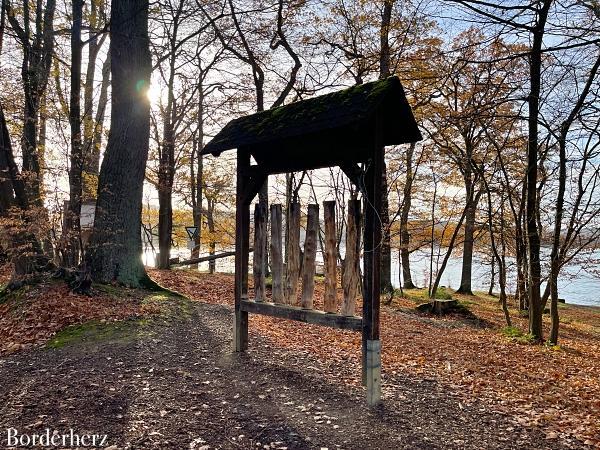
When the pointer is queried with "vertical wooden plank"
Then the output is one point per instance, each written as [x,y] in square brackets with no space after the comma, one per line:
[258,261]
[330,258]
[310,253]
[292,255]
[351,273]
[242,246]
[371,281]
[276,253]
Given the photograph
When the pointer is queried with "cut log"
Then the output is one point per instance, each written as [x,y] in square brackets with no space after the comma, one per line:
[276,254]
[258,261]
[310,253]
[351,272]
[330,258]
[292,255]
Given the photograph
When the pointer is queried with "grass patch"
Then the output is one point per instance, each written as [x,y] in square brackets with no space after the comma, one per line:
[517,335]
[443,293]
[98,331]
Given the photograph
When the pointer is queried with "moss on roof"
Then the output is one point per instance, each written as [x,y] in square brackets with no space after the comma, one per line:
[325,112]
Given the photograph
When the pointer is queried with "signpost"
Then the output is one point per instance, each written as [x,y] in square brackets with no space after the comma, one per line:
[192,232]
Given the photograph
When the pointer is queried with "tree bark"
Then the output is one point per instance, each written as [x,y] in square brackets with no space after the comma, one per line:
[210,221]
[384,72]
[404,233]
[35,70]
[76,157]
[115,244]
[532,206]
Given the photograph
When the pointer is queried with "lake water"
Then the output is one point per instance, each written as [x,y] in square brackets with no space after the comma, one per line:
[578,283]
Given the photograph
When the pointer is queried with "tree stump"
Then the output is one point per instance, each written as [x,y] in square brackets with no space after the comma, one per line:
[330,257]
[310,253]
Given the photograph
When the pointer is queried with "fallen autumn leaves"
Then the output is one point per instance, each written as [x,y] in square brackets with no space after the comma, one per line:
[555,388]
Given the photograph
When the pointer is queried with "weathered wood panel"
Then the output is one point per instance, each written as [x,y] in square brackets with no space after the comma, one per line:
[258,261]
[292,255]
[351,272]
[276,253]
[330,258]
[303,315]
[310,253]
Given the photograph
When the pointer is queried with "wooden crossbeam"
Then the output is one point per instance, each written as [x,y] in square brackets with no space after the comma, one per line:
[303,315]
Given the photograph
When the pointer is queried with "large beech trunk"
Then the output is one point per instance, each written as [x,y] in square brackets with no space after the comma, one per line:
[116,245]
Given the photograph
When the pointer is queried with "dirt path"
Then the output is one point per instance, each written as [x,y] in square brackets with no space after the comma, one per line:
[174,384]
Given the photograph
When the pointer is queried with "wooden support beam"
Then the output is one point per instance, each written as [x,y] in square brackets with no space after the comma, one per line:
[310,253]
[242,247]
[354,174]
[351,272]
[292,255]
[254,179]
[372,267]
[303,315]
[330,258]
[258,261]
[276,253]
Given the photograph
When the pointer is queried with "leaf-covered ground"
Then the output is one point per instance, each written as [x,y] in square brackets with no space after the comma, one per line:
[33,314]
[172,382]
[154,375]
[556,389]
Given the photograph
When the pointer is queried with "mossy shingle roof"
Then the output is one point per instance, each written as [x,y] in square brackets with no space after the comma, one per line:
[355,106]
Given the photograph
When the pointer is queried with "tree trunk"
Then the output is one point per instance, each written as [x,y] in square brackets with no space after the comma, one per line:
[212,245]
[532,206]
[76,157]
[115,244]
[492,277]
[404,234]
[166,173]
[92,125]
[197,178]
[384,72]
[469,229]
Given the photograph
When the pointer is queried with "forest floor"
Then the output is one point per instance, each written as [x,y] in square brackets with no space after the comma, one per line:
[156,371]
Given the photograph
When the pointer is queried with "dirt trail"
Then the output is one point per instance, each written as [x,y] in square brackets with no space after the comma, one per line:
[175,384]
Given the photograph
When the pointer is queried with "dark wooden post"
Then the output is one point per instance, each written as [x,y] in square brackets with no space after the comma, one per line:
[371,281]
[242,248]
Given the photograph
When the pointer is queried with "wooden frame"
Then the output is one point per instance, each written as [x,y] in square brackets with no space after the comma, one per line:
[249,180]
[348,129]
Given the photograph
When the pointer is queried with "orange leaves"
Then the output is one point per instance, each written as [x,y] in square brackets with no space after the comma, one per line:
[553,389]
[34,314]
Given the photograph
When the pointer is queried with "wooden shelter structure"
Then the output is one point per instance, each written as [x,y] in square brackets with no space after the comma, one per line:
[349,129]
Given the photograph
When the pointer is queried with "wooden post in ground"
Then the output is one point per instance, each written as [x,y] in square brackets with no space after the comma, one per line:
[371,281]
[258,262]
[292,255]
[330,258]
[310,253]
[242,246]
[351,272]
[276,254]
